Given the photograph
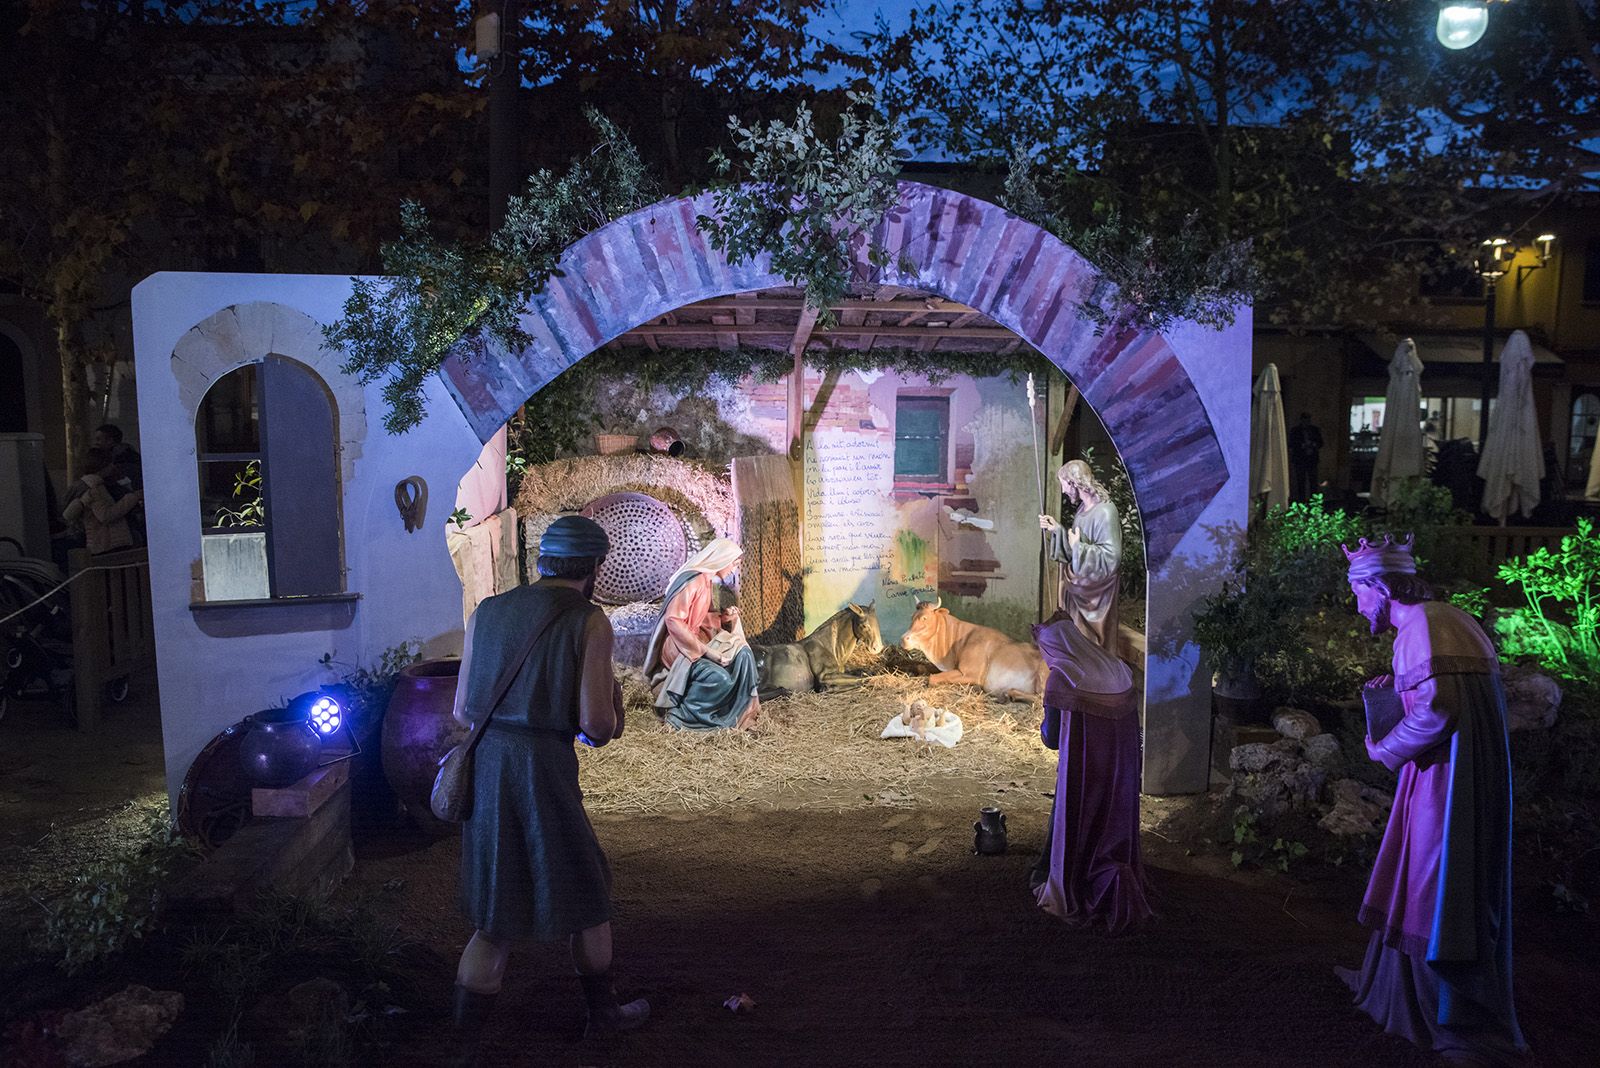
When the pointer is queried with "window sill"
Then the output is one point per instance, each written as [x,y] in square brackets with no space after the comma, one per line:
[277,602]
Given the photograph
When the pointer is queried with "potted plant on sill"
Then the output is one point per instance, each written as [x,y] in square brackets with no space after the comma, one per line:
[234,558]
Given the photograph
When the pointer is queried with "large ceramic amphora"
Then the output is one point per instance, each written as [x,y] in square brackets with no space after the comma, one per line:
[417,731]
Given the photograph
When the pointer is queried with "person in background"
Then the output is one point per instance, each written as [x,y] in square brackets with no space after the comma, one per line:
[1305,448]
[1090,554]
[531,866]
[1438,965]
[104,517]
[128,461]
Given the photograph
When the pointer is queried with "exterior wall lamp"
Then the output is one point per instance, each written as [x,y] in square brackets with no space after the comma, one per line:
[1545,245]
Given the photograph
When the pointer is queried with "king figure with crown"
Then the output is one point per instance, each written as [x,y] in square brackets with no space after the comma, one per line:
[1438,965]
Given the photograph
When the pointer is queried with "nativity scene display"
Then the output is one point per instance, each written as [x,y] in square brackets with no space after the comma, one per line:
[849,615]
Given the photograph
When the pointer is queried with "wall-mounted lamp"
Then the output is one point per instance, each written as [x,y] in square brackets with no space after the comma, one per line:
[1545,246]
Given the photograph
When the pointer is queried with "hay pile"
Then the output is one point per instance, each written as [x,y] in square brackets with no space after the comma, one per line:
[700,494]
[815,750]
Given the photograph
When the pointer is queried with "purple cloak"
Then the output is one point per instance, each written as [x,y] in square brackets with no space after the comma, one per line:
[1438,968]
[1093,872]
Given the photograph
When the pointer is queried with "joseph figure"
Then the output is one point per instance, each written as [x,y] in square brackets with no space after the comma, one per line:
[1438,965]
[1090,554]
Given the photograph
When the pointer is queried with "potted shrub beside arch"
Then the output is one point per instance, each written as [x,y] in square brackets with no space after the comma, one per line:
[1236,628]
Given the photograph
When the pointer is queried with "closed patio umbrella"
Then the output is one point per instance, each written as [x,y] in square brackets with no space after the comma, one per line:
[1513,463]
[1400,449]
[1269,442]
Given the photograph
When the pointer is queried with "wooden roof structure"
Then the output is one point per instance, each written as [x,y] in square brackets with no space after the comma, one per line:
[884,317]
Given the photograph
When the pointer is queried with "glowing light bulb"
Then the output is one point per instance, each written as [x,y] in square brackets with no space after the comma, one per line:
[1462,23]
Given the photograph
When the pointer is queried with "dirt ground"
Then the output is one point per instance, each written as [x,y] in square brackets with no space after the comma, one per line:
[866,934]
[871,937]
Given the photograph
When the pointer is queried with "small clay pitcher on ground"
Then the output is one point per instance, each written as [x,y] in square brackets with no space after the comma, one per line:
[280,748]
[989,833]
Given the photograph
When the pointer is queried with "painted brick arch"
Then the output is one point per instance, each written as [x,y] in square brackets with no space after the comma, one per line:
[1183,436]
[656,261]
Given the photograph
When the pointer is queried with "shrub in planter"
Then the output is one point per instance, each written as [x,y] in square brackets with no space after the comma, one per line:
[1288,566]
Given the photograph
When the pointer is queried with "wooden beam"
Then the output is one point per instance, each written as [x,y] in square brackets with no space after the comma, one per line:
[797,382]
[841,330]
[923,305]
[1058,436]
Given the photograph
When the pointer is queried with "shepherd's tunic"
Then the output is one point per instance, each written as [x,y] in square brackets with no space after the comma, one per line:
[1092,871]
[698,694]
[1438,967]
[1088,586]
[531,867]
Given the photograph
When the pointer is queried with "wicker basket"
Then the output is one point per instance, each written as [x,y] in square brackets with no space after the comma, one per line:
[612,444]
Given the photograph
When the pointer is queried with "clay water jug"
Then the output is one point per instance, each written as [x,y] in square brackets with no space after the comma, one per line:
[279,748]
[989,833]
[417,731]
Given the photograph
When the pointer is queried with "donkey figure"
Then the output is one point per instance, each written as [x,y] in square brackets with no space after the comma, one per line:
[816,662]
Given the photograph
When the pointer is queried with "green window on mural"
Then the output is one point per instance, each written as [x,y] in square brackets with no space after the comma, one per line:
[921,439]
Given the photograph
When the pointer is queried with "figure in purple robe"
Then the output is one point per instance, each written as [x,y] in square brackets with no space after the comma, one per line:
[1091,873]
[1438,966]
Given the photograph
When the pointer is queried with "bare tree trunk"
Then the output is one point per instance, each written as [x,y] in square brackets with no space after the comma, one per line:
[64,303]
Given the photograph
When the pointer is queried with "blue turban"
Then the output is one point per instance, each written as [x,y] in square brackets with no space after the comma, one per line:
[573,535]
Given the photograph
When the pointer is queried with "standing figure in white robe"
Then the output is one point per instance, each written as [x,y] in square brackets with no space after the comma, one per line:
[1090,554]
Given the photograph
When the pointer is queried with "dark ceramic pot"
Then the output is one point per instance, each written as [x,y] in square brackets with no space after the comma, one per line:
[280,748]
[418,730]
[989,833]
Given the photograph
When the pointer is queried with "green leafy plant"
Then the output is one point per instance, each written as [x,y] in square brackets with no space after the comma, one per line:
[806,199]
[1289,563]
[1161,277]
[1560,624]
[1250,846]
[402,327]
[460,517]
[370,686]
[114,902]
[252,511]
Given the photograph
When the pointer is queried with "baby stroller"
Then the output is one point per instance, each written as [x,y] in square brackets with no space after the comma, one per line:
[36,635]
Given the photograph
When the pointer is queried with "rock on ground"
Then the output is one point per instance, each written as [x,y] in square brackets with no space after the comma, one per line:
[1357,808]
[1296,724]
[1532,699]
[1323,751]
[121,1027]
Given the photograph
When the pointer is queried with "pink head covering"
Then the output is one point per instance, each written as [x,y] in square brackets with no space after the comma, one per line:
[1371,559]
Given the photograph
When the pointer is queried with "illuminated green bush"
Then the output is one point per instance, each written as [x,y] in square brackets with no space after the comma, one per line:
[1560,625]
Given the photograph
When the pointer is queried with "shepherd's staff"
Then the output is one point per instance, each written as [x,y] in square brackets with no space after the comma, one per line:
[1033,425]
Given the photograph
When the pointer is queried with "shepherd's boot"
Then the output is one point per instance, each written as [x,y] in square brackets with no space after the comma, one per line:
[605,1013]
[470,1014]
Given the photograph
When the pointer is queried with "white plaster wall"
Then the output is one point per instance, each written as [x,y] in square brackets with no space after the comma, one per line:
[246,659]
[1177,741]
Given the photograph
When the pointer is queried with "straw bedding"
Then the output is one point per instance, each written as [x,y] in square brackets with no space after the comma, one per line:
[814,750]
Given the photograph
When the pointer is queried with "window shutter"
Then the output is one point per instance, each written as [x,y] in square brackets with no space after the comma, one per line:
[300,481]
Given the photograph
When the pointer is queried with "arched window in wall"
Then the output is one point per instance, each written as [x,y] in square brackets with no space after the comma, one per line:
[266,438]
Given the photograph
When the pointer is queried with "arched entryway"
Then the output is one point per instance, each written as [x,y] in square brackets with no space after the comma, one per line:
[1175,404]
